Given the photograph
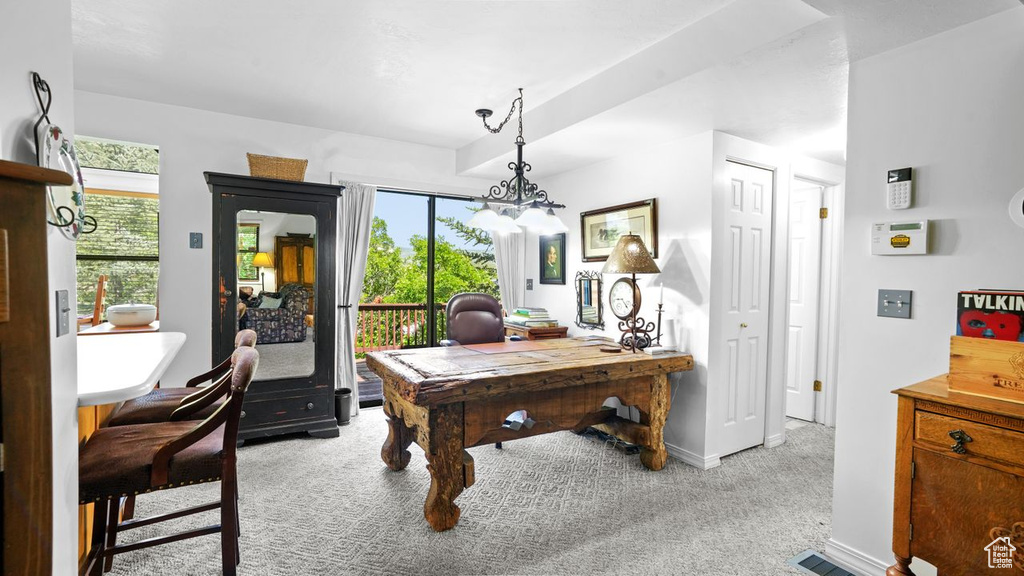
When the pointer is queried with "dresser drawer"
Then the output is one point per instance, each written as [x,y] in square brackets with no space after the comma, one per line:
[281,410]
[985,441]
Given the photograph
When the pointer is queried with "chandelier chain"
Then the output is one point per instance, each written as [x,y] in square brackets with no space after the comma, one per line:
[518,101]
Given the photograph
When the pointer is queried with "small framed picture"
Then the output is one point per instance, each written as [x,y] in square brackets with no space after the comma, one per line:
[552,259]
[600,229]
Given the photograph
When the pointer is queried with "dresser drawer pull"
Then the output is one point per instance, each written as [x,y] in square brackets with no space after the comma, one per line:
[242,415]
[309,406]
[960,437]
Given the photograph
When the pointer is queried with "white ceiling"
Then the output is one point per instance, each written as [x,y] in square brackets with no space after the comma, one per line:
[600,76]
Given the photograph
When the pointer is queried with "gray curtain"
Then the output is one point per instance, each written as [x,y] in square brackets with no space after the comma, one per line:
[355,221]
[510,260]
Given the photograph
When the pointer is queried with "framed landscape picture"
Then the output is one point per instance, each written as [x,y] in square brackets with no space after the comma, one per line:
[601,229]
[552,259]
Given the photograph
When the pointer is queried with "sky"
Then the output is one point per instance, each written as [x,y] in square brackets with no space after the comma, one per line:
[406,215]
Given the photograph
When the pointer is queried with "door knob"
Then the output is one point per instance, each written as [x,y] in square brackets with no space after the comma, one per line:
[743,324]
[227,292]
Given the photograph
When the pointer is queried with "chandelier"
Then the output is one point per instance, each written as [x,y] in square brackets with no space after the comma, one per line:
[517,201]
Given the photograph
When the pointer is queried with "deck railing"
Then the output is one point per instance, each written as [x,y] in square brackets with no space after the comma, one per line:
[394,326]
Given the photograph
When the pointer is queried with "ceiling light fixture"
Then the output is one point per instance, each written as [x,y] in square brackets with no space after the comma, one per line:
[527,205]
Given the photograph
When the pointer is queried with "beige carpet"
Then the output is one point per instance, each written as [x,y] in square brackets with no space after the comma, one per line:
[554,504]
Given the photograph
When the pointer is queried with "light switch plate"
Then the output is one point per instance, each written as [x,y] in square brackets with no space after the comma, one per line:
[894,303]
[63,313]
[195,240]
[529,283]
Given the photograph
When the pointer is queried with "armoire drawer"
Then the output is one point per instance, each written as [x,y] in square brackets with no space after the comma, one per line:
[976,439]
[281,410]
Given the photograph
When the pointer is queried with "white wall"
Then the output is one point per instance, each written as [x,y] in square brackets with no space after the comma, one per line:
[678,174]
[22,53]
[951,107]
[192,141]
[684,176]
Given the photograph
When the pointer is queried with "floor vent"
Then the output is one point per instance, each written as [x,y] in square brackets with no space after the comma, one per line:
[811,562]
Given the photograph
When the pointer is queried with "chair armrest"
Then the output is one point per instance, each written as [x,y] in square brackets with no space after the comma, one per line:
[448,343]
[162,460]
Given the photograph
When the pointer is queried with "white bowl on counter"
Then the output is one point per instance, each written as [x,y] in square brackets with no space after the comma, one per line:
[131,314]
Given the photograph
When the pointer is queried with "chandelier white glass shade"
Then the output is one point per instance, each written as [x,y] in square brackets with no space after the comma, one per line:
[527,203]
[485,218]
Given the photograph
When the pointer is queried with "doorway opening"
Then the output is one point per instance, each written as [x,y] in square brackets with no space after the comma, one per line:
[810,298]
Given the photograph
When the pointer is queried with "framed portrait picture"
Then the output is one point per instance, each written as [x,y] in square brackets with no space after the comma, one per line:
[552,259]
[601,229]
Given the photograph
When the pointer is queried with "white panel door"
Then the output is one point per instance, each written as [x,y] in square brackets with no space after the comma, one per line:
[804,288]
[744,341]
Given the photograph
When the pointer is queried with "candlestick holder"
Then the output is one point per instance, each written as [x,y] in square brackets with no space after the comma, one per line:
[657,339]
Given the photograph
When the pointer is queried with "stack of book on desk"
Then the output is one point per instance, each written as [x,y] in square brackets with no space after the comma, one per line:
[531,318]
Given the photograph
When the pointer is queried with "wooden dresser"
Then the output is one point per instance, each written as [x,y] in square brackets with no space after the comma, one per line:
[26,304]
[959,481]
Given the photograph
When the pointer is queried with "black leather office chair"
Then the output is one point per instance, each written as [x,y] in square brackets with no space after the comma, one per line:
[475,318]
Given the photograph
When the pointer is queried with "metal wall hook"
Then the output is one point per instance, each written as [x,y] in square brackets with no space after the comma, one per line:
[41,88]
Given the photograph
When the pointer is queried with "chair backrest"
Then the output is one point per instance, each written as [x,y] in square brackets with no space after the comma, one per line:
[101,297]
[475,318]
[245,338]
[243,366]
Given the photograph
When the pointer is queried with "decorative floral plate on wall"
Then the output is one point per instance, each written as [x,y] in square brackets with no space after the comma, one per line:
[67,203]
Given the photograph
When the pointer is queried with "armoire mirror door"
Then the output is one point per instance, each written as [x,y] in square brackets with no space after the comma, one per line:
[274,272]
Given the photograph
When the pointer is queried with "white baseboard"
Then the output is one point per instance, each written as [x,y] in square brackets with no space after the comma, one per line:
[695,460]
[775,440]
[854,560]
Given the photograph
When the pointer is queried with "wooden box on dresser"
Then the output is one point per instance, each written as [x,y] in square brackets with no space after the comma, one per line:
[959,480]
[301,400]
[25,388]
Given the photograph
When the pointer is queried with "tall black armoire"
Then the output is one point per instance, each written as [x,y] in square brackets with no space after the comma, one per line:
[295,323]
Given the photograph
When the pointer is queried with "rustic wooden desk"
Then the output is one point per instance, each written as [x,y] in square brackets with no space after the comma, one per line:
[450,399]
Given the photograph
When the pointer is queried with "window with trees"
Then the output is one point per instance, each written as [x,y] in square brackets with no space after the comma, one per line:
[248,246]
[121,193]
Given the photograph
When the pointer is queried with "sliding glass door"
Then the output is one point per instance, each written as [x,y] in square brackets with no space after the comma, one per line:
[421,254]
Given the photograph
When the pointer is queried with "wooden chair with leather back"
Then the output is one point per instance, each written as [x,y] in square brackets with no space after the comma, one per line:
[130,460]
[474,318]
[190,402]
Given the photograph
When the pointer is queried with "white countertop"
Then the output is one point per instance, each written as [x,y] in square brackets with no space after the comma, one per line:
[120,367]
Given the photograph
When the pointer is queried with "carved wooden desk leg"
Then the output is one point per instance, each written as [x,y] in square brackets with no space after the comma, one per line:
[654,455]
[900,568]
[395,451]
[445,463]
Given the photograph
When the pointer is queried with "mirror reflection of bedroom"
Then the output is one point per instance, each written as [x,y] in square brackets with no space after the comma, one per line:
[276,283]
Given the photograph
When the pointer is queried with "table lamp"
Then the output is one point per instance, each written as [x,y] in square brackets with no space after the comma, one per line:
[630,256]
[262,260]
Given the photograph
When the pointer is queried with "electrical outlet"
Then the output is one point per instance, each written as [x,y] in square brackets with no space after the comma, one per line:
[529,283]
[195,240]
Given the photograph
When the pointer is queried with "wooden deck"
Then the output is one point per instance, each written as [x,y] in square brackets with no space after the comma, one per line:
[371,391]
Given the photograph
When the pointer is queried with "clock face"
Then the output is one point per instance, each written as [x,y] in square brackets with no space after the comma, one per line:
[623,298]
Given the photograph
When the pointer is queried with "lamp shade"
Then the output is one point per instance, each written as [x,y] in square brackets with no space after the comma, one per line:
[630,256]
[533,218]
[505,224]
[262,260]
[485,218]
[552,224]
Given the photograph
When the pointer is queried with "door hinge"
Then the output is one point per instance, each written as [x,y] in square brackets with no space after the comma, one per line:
[817,385]
[911,535]
[1,457]
[913,470]
[823,213]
